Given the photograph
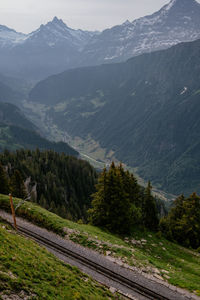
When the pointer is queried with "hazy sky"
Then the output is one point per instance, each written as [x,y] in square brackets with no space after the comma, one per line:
[28,15]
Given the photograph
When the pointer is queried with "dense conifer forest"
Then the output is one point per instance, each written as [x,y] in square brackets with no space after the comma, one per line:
[60,183]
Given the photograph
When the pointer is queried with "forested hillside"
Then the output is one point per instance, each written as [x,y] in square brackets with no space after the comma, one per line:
[145,110]
[17,132]
[11,114]
[63,184]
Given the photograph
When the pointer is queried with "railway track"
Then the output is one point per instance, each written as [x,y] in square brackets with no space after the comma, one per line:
[142,290]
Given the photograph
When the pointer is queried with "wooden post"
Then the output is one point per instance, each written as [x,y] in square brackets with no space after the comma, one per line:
[13,211]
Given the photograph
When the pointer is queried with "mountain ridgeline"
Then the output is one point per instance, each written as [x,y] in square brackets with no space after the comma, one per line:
[177,21]
[54,47]
[51,48]
[146,110]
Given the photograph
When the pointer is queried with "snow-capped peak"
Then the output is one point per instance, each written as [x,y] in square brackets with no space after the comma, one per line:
[53,30]
[180,4]
[171,3]
[56,33]
[55,24]
[173,12]
[9,37]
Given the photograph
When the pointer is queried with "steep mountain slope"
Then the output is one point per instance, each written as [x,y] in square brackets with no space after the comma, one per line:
[146,110]
[55,47]
[8,94]
[176,22]
[12,115]
[16,132]
[18,86]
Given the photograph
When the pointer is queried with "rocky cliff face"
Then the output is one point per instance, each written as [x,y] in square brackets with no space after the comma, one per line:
[176,22]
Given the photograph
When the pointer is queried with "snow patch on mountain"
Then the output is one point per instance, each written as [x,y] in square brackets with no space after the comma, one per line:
[9,37]
[169,6]
[184,90]
[176,22]
[54,47]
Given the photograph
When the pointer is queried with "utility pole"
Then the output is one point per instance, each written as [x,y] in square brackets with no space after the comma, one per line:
[13,211]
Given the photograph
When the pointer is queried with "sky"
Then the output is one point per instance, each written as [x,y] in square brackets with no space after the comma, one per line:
[27,15]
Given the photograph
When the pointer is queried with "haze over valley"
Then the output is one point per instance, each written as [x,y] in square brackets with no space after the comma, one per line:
[105,109]
[100,149]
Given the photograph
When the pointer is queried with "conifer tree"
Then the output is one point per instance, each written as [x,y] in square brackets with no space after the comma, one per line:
[4,187]
[114,203]
[150,217]
[183,221]
[190,222]
[99,206]
[17,185]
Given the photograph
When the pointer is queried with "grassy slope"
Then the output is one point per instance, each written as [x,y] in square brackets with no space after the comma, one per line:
[177,265]
[27,269]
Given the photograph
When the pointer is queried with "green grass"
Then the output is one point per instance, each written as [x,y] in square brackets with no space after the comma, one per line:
[28,268]
[197,92]
[177,265]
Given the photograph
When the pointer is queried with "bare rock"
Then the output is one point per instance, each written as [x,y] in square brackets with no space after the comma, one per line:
[113,290]
[158,276]
[155,271]
[165,271]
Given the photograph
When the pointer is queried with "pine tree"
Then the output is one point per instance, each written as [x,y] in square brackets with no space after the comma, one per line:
[150,218]
[183,221]
[97,212]
[190,221]
[17,185]
[4,187]
[114,203]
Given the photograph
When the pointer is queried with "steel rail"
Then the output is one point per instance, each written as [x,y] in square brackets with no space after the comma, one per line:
[142,290]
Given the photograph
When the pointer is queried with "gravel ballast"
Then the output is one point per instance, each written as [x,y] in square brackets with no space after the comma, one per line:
[159,286]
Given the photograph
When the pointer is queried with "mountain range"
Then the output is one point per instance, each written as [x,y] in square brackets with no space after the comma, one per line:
[49,49]
[145,110]
[55,47]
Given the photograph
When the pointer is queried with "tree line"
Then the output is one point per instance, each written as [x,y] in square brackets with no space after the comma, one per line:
[114,200]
